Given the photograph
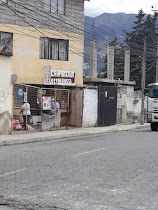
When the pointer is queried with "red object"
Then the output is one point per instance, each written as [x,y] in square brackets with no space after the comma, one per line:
[16,125]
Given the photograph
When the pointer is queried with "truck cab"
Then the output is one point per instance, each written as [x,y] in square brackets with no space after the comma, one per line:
[152,106]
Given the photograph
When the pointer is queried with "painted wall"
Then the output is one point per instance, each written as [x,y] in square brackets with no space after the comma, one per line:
[5,94]
[90,107]
[121,104]
[26,51]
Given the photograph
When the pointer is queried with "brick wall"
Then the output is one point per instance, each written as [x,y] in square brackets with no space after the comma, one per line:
[31,13]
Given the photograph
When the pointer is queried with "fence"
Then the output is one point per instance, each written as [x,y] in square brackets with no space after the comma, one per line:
[49,107]
[55,105]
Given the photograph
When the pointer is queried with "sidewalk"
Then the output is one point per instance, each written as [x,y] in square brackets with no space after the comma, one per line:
[64,134]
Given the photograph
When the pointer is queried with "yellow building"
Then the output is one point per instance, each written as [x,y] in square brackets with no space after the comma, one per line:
[47,34]
[42,42]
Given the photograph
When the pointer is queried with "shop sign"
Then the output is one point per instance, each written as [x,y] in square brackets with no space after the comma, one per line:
[57,77]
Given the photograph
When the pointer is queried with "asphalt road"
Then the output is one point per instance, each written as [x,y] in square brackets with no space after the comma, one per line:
[116,171]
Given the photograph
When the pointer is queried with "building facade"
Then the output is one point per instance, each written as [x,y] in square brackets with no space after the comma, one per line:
[44,41]
[45,33]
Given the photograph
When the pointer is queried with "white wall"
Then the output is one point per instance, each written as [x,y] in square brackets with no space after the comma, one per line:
[121,105]
[131,97]
[90,107]
[5,94]
[128,105]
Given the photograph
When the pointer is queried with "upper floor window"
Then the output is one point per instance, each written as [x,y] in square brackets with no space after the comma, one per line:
[55,6]
[4,1]
[6,43]
[54,49]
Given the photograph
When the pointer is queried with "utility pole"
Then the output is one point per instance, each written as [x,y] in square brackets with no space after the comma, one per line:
[93,55]
[157,64]
[143,81]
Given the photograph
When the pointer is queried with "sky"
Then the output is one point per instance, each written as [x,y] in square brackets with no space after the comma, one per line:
[97,7]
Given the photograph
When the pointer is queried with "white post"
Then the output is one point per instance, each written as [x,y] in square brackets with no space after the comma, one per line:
[92,59]
[110,62]
[127,66]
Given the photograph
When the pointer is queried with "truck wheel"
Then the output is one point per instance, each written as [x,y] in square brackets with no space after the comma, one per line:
[153,126]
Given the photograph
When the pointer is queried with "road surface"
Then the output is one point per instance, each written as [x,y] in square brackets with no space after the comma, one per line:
[116,171]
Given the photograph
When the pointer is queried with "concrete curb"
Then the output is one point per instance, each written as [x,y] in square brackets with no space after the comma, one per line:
[67,136]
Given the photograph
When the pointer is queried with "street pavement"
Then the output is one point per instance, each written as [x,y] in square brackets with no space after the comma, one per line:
[60,134]
[114,171]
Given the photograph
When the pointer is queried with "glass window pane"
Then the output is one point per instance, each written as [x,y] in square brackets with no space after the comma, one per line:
[55,50]
[5,35]
[47,5]
[63,50]
[154,92]
[61,7]
[46,48]
[42,48]
[3,1]
[54,6]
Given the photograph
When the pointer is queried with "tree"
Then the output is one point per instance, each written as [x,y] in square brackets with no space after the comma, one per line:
[145,26]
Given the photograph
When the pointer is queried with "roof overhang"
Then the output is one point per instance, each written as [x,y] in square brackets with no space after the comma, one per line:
[102,80]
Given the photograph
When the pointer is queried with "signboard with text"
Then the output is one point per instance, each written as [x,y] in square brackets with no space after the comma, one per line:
[58,77]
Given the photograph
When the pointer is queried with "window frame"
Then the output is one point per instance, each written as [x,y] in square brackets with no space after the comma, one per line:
[50,40]
[10,53]
[56,12]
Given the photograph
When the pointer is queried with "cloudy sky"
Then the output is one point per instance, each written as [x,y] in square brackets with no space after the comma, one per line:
[97,7]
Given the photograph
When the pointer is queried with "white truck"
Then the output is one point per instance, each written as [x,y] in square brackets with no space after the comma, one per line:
[152,106]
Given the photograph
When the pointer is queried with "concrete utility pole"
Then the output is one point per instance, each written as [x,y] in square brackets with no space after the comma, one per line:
[157,64]
[93,55]
[110,62]
[127,66]
[143,81]
[92,59]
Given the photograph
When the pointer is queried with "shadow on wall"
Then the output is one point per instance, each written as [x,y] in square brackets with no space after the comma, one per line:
[5,123]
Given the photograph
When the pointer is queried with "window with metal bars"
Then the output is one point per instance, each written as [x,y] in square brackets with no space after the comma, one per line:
[55,6]
[54,49]
[6,43]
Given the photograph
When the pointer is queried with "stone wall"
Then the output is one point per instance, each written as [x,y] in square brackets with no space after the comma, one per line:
[31,13]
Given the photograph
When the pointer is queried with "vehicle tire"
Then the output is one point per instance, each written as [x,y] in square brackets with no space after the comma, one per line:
[153,126]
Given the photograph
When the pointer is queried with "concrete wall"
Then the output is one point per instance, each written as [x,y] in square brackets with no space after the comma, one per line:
[90,107]
[5,94]
[121,104]
[133,104]
[128,105]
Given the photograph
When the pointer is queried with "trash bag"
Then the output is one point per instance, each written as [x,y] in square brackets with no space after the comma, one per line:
[29,127]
